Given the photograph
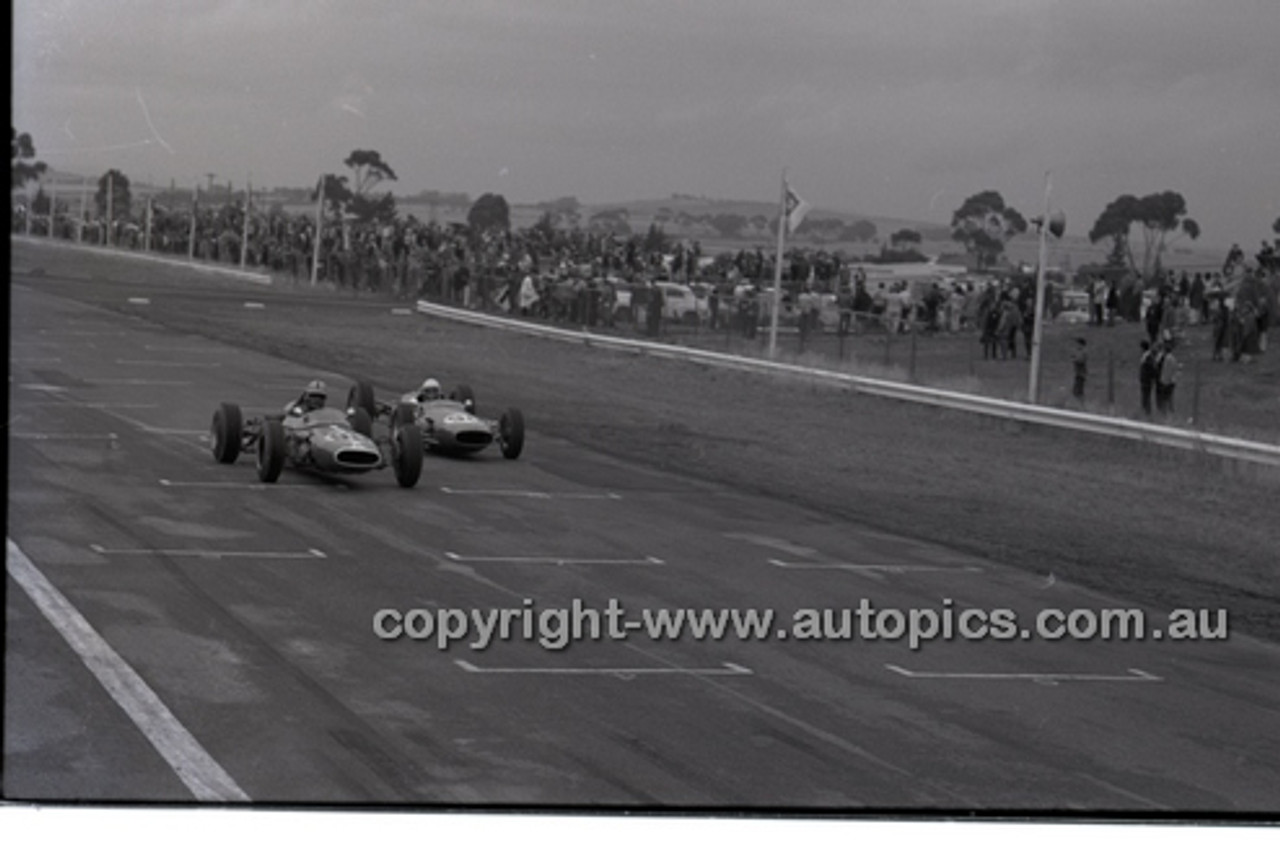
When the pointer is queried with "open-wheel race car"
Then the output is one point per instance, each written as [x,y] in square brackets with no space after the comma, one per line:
[324,440]
[447,424]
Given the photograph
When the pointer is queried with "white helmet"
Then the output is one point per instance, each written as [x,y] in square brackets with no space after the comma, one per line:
[429,391]
[314,395]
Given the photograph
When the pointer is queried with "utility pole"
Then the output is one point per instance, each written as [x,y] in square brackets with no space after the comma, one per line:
[1046,224]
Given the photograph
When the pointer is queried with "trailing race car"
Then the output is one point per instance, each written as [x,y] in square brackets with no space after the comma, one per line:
[448,425]
[326,440]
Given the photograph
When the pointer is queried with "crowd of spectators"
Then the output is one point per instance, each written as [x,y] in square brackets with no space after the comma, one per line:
[590,278]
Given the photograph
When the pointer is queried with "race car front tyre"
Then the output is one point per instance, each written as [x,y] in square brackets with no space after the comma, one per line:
[271,450]
[362,422]
[226,430]
[465,395]
[361,396]
[511,433]
[403,415]
[406,454]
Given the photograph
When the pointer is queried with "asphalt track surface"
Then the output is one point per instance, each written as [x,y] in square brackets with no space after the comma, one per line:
[230,626]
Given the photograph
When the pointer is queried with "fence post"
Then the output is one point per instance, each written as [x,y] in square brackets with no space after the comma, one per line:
[911,368]
[1195,391]
[1111,378]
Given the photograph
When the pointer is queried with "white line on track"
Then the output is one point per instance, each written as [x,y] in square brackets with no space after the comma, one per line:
[725,669]
[872,568]
[136,382]
[94,405]
[559,561]
[177,483]
[158,430]
[168,364]
[537,495]
[194,766]
[1135,675]
[140,301]
[33,361]
[184,350]
[64,436]
[212,554]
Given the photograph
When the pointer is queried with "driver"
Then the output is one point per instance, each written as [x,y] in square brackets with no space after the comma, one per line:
[429,391]
[312,399]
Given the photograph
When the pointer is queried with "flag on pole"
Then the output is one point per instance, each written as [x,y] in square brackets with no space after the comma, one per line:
[796,208]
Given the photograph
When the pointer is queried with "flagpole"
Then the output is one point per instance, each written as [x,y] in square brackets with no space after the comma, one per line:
[244,240]
[110,195]
[195,206]
[777,269]
[1033,386]
[84,208]
[315,252]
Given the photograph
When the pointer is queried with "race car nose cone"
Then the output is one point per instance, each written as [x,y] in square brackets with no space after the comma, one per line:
[356,458]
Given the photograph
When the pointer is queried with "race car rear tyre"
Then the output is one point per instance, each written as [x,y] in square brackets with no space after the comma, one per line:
[361,396]
[406,454]
[362,422]
[464,394]
[226,430]
[403,415]
[511,433]
[271,450]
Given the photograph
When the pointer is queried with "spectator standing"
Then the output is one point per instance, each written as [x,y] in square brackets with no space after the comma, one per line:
[1148,370]
[1220,316]
[1080,370]
[1167,380]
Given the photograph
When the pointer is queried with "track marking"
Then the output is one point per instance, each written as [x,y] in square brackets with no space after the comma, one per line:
[212,554]
[178,483]
[64,436]
[95,405]
[1135,675]
[136,382]
[159,430]
[559,561]
[726,668]
[254,305]
[168,364]
[872,568]
[194,766]
[256,486]
[776,543]
[191,350]
[140,301]
[537,495]
[31,361]
[43,388]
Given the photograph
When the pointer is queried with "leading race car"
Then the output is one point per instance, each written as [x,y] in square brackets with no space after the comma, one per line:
[325,440]
[448,425]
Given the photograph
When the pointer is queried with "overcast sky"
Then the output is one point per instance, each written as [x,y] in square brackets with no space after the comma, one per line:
[895,109]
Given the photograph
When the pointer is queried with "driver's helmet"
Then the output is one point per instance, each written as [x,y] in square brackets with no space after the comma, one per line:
[313,397]
[429,391]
